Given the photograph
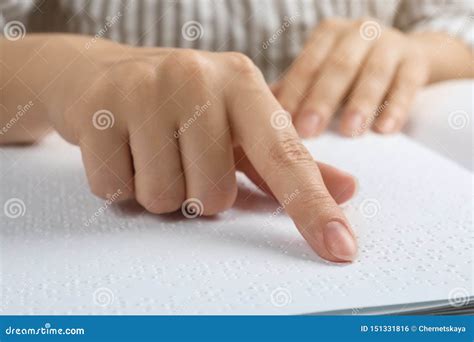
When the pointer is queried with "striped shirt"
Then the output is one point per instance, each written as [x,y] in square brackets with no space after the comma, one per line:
[271,32]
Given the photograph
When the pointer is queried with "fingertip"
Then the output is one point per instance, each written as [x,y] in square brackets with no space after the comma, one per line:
[352,124]
[334,243]
[308,124]
[340,241]
[387,126]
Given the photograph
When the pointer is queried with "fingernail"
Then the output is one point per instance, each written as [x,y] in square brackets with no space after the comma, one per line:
[388,125]
[356,124]
[308,124]
[339,241]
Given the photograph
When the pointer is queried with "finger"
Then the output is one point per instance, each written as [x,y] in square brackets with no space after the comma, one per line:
[332,83]
[287,167]
[275,88]
[159,178]
[244,165]
[411,76]
[108,164]
[370,89]
[206,153]
[341,185]
[302,72]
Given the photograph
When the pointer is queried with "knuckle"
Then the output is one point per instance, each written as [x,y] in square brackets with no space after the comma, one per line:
[140,76]
[218,201]
[193,63]
[289,150]
[141,66]
[160,206]
[377,70]
[98,191]
[241,63]
[127,76]
[344,64]
[144,69]
[105,192]
[106,185]
[126,194]
[138,72]
[315,196]
[157,203]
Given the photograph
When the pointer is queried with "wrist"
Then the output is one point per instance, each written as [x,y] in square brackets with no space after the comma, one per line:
[37,74]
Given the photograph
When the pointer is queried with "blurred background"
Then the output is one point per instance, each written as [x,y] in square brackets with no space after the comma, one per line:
[271,32]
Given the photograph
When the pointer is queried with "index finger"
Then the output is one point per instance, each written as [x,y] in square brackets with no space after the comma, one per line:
[264,131]
[301,74]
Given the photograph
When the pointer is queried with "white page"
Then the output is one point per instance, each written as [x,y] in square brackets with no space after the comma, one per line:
[413,218]
[441,119]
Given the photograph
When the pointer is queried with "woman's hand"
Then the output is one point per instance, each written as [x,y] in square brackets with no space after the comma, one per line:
[167,125]
[371,72]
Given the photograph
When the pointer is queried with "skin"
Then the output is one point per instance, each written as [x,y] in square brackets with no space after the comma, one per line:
[150,94]
[371,77]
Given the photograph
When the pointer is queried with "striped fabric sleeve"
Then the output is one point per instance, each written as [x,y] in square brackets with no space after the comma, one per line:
[13,12]
[454,17]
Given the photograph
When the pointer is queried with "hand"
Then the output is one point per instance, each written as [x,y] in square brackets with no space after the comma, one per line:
[371,72]
[166,125]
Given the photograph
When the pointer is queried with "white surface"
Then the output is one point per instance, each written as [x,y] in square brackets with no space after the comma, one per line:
[413,216]
[442,119]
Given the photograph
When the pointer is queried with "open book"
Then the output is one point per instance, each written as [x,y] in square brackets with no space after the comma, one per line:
[63,251]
